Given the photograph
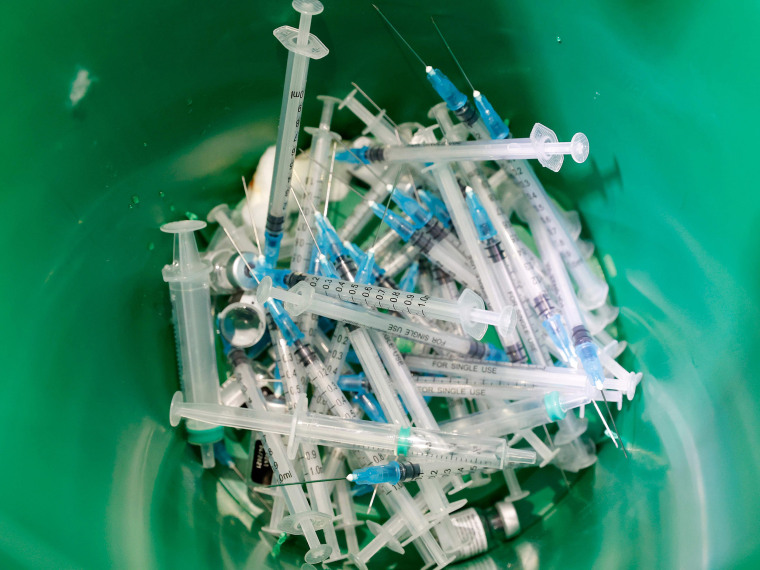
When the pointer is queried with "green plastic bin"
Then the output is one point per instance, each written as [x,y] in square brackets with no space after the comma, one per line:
[183,98]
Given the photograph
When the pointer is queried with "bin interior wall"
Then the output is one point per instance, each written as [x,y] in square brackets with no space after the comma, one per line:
[184,97]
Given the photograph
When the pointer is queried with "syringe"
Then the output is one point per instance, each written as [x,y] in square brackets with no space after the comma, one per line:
[593,290]
[189,286]
[495,254]
[235,234]
[524,268]
[485,452]
[431,245]
[509,374]
[542,145]
[304,298]
[517,416]
[333,247]
[361,214]
[302,46]
[468,311]
[465,227]
[395,472]
[302,519]
[585,348]
[321,137]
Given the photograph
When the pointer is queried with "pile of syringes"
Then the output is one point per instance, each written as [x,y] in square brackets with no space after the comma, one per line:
[451,337]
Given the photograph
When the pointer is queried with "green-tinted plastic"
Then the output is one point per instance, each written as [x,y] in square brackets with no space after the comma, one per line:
[184,97]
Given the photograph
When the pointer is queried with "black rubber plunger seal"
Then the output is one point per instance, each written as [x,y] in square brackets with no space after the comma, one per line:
[375,154]
[467,114]
[237,357]
[408,470]
[494,250]
[304,353]
[275,224]
[580,335]
[292,279]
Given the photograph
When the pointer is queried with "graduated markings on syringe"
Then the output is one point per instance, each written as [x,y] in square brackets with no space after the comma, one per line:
[469,310]
[304,298]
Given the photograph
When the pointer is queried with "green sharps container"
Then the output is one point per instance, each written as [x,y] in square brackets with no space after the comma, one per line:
[119,117]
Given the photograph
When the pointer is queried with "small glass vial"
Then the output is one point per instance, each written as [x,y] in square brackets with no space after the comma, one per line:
[482,529]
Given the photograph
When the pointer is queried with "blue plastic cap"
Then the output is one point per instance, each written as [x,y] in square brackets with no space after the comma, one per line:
[480,217]
[271,248]
[409,281]
[290,331]
[354,156]
[589,358]
[495,354]
[376,474]
[553,408]
[325,268]
[329,242]
[352,382]
[453,98]
[365,271]
[411,208]
[355,252]
[558,335]
[497,128]
[220,452]
[369,405]
[437,206]
[397,223]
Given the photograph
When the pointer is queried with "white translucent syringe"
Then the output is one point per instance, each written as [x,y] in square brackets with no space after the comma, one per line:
[189,287]
[551,377]
[235,234]
[468,311]
[527,281]
[321,137]
[460,217]
[542,145]
[304,298]
[359,435]
[517,416]
[302,519]
[302,46]
[585,349]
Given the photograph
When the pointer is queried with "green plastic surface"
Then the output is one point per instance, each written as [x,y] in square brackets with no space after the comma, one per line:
[184,98]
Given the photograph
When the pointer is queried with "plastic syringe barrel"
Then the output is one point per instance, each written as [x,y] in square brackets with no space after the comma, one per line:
[467,233]
[287,141]
[189,285]
[304,298]
[506,149]
[351,433]
[517,416]
[378,126]
[469,308]
[362,214]
[284,470]
[290,121]
[592,289]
